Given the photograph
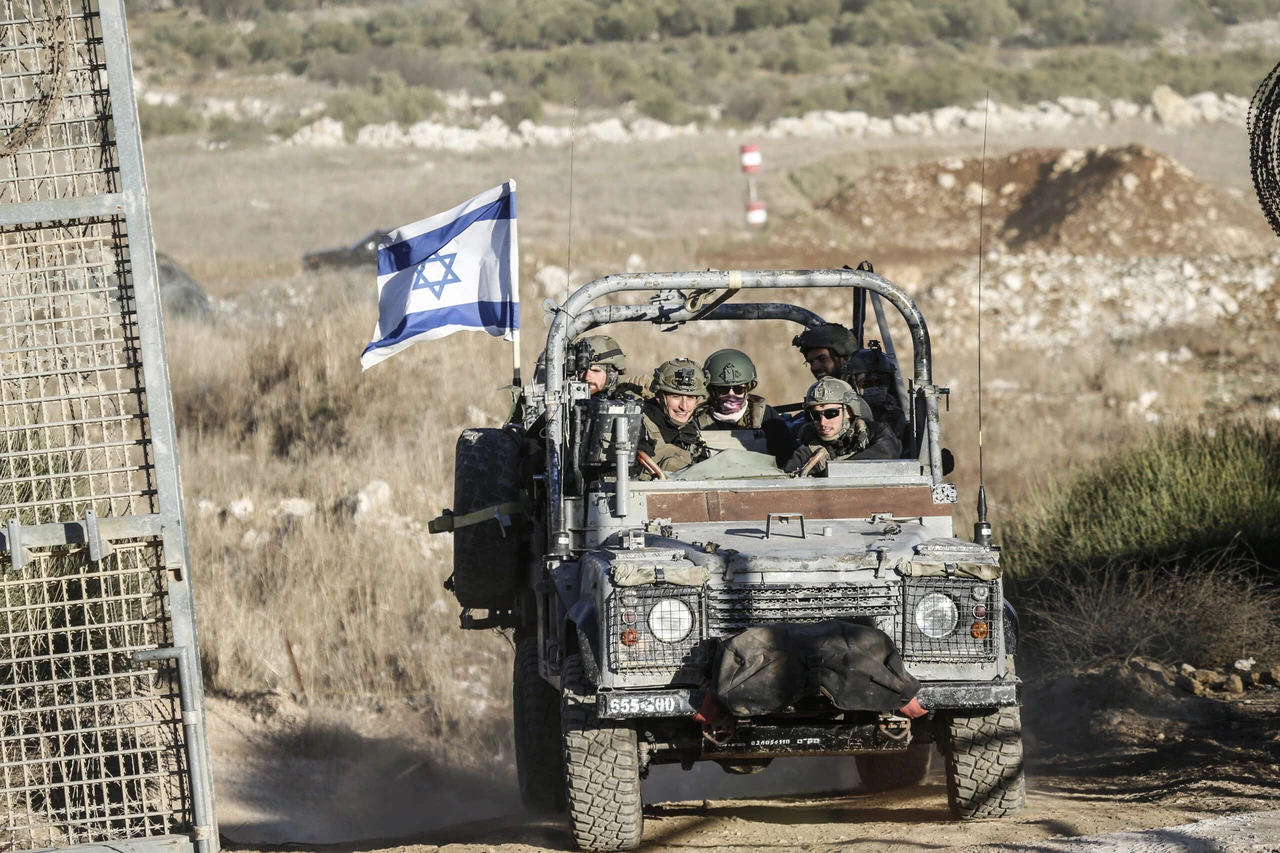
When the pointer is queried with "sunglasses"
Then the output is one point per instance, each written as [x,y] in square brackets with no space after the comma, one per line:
[823,414]
[735,390]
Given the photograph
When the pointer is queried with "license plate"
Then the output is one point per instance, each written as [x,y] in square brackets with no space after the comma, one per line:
[669,703]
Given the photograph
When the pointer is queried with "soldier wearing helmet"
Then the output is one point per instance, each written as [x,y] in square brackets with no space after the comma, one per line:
[731,377]
[875,377]
[840,426]
[599,361]
[825,348]
[671,434]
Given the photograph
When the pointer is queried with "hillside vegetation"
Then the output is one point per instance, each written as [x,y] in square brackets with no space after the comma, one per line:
[710,60]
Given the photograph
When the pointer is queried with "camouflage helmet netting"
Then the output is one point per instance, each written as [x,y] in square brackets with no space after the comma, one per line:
[729,367]
[679,376]
[832,336]
[604,350]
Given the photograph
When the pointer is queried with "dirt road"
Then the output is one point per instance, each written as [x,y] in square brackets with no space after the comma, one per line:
[1113,752]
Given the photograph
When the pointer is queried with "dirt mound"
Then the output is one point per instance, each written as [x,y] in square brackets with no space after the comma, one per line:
[1125,202]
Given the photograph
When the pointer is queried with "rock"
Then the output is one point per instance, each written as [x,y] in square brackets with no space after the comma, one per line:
[1129,181]
[880,127]
[907,126]
[608,130]
[1209,105]
[180,295]
[1244,665]
[295,508]
[1189,684]
[323,133]
[1172,109]
[1273,676]
[552,281]
[1154,669]
[372,501]
[947,119]
[1187,669]
[389,135]
[1122,110]
[240,508]
[973,193]
[1210,678]
[1081,107]
[946,180]
[1233,684]
[634,263]
[253,539]
[206,509]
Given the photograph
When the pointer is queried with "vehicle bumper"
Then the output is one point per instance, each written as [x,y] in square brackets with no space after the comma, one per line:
[934,696]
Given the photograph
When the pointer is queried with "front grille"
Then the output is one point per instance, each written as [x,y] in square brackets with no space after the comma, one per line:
[644,651]
[960,645]
[735,608]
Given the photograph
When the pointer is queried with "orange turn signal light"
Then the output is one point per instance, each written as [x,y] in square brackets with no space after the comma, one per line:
[980,630]
[630,637]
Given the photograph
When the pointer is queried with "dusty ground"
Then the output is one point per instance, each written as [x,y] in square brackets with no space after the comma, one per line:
[1099,760]
[1108,751]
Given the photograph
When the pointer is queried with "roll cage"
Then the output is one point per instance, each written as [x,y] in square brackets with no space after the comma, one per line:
[682,297]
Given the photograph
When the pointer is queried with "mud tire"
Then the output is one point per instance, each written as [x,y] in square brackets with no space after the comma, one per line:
[536,706]
[602,770]
[985,776]
[486,563]
[892,772]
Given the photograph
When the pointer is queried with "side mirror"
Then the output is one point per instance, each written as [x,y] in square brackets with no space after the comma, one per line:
[948,462]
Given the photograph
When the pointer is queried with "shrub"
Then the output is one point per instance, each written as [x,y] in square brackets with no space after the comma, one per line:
[1181,493]
[630,20]
[705,17]
[758,14]
[273,40]
[517,108]
[335,36]
[1172,611]
[158,120]
[569,22]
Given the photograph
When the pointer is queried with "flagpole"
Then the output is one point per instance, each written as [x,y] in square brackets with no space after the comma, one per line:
[515,294]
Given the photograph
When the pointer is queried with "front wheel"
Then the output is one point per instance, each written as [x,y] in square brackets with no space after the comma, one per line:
[984,764]
[602,769]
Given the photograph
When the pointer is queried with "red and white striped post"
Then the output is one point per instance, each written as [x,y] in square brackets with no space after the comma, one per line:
[749,155]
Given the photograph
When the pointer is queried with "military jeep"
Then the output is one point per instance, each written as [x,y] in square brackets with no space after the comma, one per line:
[729,613]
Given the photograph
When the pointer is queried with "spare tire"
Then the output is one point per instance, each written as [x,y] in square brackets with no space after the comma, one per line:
[487,557]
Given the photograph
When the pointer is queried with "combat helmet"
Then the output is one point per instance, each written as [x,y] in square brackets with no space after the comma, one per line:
[864,361]
[728,367]
[831,336]
[679,376]
[828,389]
[600,349]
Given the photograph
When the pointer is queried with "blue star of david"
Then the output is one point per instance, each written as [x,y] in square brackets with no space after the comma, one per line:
[421,277]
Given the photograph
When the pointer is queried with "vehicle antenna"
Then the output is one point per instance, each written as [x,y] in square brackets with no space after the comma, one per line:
[568,262]
[982,529]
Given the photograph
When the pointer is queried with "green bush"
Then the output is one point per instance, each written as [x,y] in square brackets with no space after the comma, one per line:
[158,120]
[335,36]
[704,17]
[630,20]
[1180,494]
[517,108]
[386,97]
[273,40]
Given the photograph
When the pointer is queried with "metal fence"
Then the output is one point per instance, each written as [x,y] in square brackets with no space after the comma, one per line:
[102,739]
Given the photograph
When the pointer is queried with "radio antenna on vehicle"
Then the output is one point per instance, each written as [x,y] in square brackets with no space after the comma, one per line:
[568,261]
[982,529]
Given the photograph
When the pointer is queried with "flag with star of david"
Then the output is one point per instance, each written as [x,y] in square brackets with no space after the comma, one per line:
[452,272]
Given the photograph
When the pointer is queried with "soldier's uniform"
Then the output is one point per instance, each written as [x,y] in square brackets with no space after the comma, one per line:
[873,375]
[672,446]
[837,340]
[862,438]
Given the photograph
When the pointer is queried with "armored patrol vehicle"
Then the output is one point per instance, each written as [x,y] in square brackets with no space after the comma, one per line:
[729,612]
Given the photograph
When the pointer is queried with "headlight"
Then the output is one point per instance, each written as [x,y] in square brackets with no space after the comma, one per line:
[936,615]
[671,620]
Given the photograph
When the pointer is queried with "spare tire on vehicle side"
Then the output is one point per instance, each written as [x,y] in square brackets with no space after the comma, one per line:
[488,556]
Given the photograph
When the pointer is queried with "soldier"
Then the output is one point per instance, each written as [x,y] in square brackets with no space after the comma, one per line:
[671,435]
[599,362]
[731,377]
[825,348]
[841,428]
[875,377]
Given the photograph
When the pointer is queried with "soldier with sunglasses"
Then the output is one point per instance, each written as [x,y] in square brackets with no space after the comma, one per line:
[731,377]
[840,426]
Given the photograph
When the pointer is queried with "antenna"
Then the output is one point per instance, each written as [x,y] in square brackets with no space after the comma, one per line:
[568,262]
[982,529]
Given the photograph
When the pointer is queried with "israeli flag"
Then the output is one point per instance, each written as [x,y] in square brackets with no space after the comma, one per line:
[453,272]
